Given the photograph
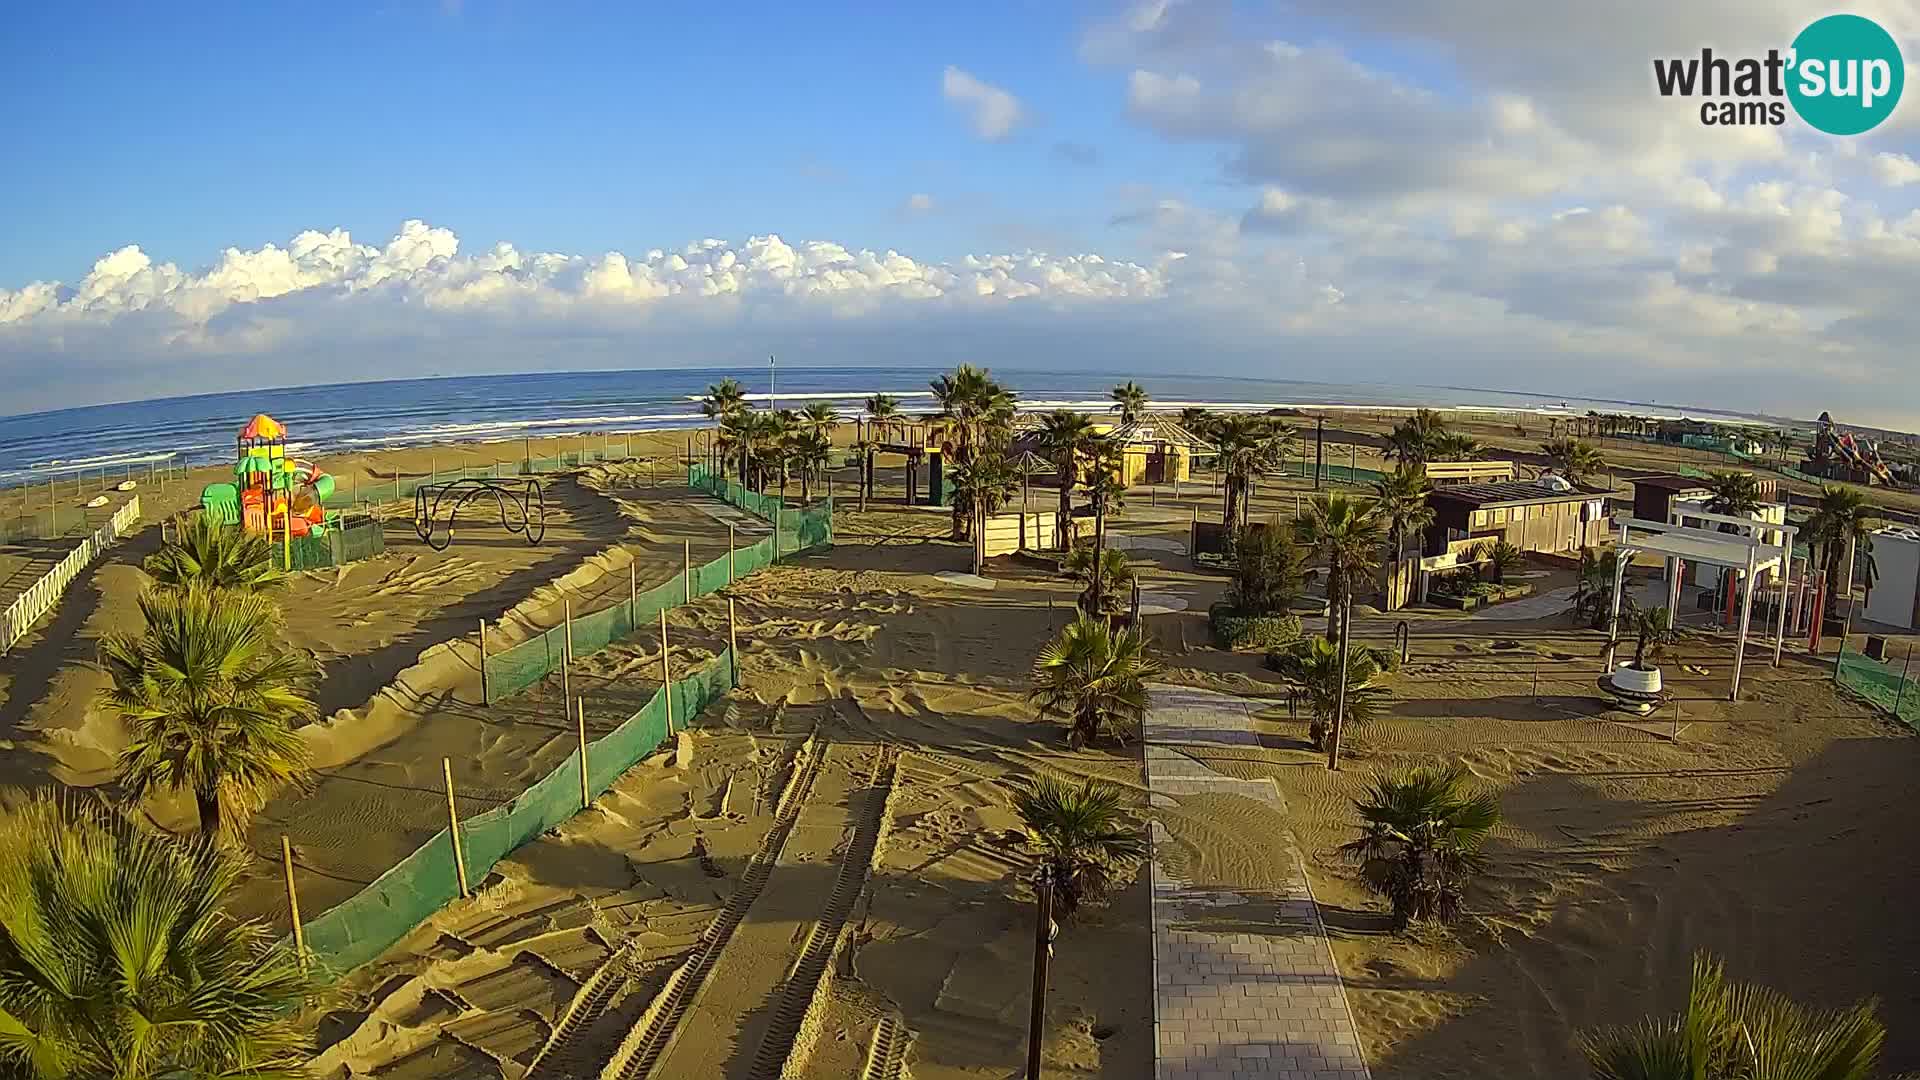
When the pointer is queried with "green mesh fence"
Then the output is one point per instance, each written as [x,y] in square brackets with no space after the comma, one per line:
[403,486]
[338,547]
[514,669]
[1888,686]
[378,916]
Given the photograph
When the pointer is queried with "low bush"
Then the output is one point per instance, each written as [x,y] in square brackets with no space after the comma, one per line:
[1232,630]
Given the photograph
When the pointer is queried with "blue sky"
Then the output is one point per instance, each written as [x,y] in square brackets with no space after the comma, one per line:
[1389,191]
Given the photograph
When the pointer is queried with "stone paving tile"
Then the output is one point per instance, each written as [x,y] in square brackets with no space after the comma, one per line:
[1244,983]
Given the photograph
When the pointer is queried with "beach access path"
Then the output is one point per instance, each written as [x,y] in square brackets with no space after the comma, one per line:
[1245,986]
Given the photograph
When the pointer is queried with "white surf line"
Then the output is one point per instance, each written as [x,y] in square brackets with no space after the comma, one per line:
[1248,1003]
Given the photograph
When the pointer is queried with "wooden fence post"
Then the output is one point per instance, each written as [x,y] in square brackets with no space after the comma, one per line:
[633,592]
[733,643]
[586,797]
[293,901]
[666,671]
[730,548]
[453,828]
[686,569]
[485,699]
[566,654]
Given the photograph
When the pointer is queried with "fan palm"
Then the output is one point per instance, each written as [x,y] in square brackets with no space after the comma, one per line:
[1592,599]
[1401,496]
[1313,669]
[1116,577]
[1740,1031]
[1411,441]
[1247,446]
[1198,421]
[211,700]
[1130,401]
[1081,831]
[1452,446]
[1573,458]
[1347,532]
[1839,522]
[220,556]
[820,414]
[883,413]
[1067,437]
[973,409]
[1420,840]
[1095,679]
[810,447]
[1106,487]
[1733,493]
[117,958]
[723,397]
[981,487]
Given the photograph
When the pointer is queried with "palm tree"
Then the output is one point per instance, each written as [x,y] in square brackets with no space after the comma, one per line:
[1313,669]
[1592,599]
[1573,458]
[117,957]
[211,700]
[741,434]
[1420,840]
[1452,446]
[982,486]
[1082,832]
[1198,421]
[1130,401]
[1347,532]
[1735,1031]
[1411,442]
[1247,446]
[1106,486]
[1095,679]
[883,413]
[810,448]
[1503,557]
[1735,493]
[1653,631]
[222,557]
[819,414]
[973,408]
[1839,522]
[723,398]
[1067,437]
[1401,496]
[1108,596]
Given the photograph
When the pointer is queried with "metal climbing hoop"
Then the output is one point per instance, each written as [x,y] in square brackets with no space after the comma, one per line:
[521,503]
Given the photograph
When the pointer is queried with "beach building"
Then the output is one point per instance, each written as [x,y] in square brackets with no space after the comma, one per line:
[1155,449]
[1683,500]
[1895,598]
[1550,514]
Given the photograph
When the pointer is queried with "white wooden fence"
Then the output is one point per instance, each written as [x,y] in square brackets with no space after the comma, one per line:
[40,598]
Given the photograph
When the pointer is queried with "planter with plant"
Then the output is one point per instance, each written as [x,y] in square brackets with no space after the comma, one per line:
[1653,631]
[1258,608]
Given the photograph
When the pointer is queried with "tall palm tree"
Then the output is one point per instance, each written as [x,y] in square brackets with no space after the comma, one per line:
[883,415]
[1106,487]
[811,447]
[973,409]
[1108,595]
[1082,832]
[820,414]
[1735,1031]
[1095,679]
[1455,446]
[1248,445]
[740,434]
[1198,421]
[1734,493]
[723,397]
[1130,401]
[982,486]
[1066,437]
[223,557]
[1411,441]
[1420,840]
[117,957]
[1401,497]
[1592,599]
[1839,522]
[1347,532]
[211,699]
[1313,668]
[1573,458]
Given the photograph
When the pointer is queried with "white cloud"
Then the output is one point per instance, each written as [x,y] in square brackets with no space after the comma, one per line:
[919,203]
[1895,170]
[992,112]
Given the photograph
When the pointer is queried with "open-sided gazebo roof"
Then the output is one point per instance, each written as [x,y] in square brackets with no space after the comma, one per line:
[1714,548]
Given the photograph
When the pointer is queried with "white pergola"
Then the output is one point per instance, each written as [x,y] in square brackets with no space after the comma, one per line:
[1744,550]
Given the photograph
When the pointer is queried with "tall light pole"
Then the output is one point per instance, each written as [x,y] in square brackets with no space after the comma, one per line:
[773,401]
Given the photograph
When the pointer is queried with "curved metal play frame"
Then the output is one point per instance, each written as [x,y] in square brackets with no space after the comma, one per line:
[522,506]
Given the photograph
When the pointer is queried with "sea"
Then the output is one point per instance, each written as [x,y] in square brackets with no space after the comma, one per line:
[374,416]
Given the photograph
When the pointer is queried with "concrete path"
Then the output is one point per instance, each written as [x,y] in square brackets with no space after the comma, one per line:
[1245,986]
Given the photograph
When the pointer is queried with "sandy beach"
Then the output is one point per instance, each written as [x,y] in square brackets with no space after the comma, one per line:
[855,789]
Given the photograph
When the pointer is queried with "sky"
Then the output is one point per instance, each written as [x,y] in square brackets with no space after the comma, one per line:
[222,196]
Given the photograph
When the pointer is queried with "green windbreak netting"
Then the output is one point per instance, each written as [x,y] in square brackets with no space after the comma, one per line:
[378,916]
[1882,684]
[514,669]
[337,547]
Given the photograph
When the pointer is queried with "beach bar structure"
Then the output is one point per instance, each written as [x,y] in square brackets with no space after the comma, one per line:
[1744,550]
[1550,514]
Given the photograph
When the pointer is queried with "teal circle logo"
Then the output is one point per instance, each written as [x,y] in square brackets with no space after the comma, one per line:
[1846,74]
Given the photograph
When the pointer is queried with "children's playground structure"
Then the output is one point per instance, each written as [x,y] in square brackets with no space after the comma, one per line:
[1837,455]
[523,509]
[272,494]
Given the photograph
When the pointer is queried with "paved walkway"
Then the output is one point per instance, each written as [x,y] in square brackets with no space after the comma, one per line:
[1245,985]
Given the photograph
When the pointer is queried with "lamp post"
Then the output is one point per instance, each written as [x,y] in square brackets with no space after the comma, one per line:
[1043,932]
[773,400]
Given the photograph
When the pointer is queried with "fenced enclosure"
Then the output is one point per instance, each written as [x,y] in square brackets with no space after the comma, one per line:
[513,670]
[1888,685]
[403,485]
[341,545]
[42,595]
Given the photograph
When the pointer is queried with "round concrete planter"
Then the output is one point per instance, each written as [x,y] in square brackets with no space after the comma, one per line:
[1636,680]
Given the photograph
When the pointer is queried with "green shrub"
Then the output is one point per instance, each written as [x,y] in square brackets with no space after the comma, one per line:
[1232,630]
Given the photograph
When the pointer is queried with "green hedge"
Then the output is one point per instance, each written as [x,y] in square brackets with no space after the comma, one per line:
[1232,630]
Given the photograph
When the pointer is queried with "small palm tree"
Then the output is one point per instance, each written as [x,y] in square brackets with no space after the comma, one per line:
[1082,831]
[1313,669]
[982,486]
[117,957]
[811,447]
[820,414]
[1735,1031]
[1067,437]
[1412,439]
[974,409]
[1246,446]
[1451,446]
[1420,840]
[1094,679]
[883,416]
[1653,631]
[1347,532]
[1592,599]
[1573,458]
[1734,493]
[1841,520]
[211,699]
[1401,496]
[1130,401]
[723,398]
[1116,577]
[1505,557]
[220,556]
